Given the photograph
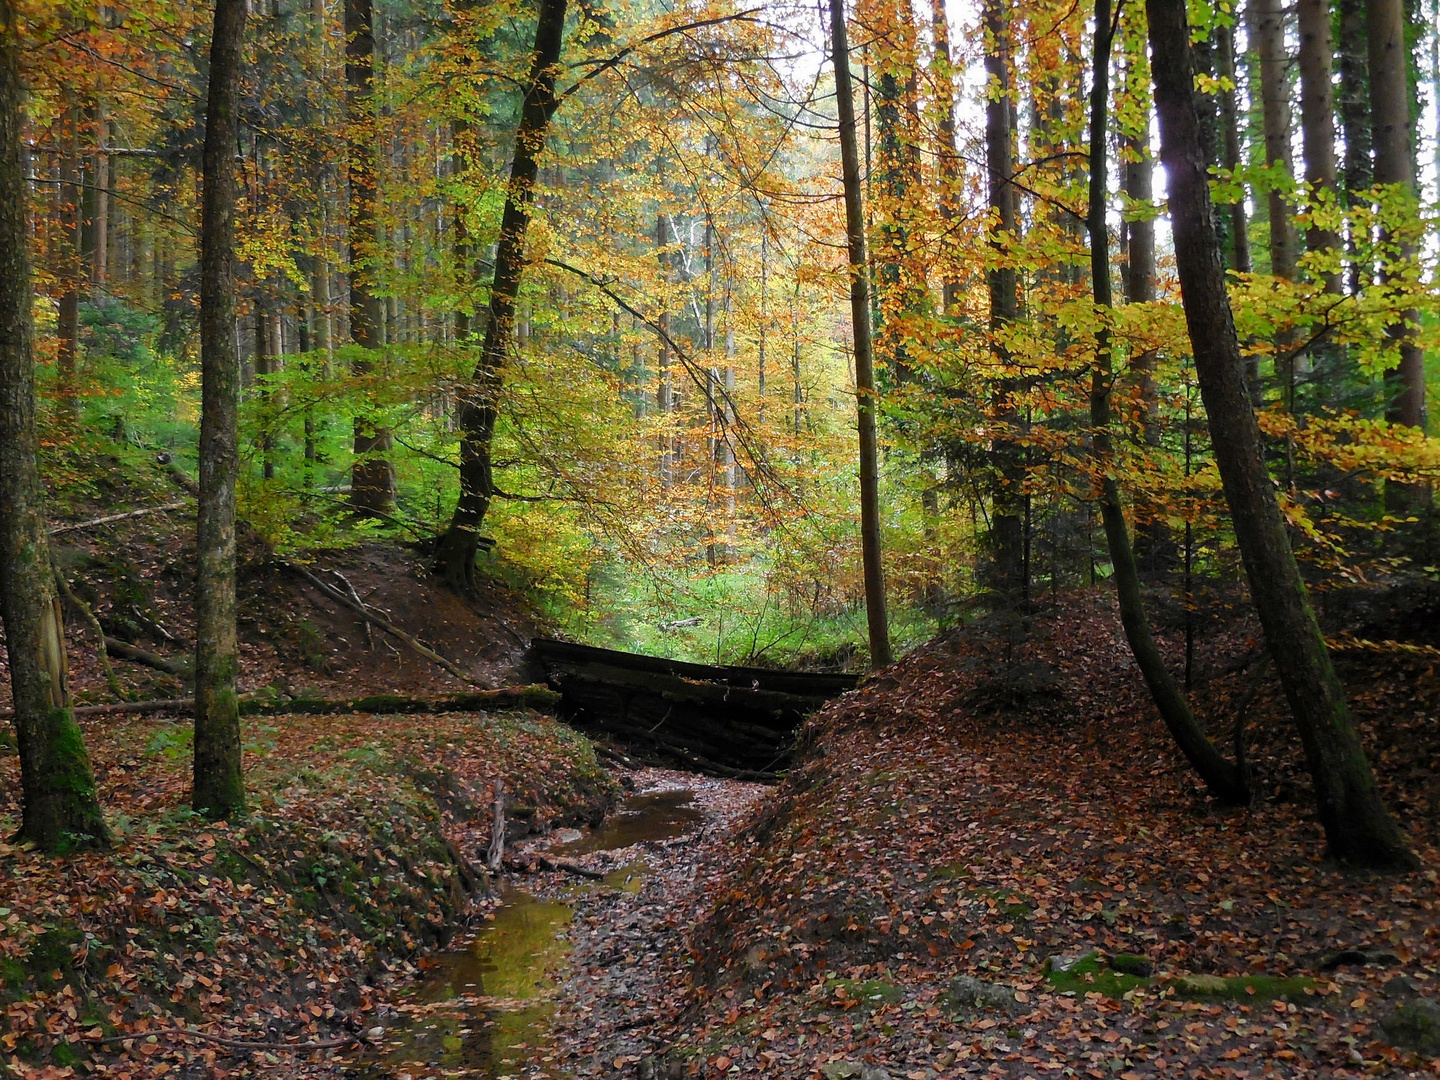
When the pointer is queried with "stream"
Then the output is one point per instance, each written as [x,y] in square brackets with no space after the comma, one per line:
[488,1010]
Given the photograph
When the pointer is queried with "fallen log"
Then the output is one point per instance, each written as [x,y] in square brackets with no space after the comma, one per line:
[123,650]
[539,698]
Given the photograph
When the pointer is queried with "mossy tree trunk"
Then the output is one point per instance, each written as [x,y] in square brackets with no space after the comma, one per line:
[59,805]
[219,786]
[1357,826]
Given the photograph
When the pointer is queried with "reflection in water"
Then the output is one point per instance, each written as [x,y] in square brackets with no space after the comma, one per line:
[508,963]
[656,816]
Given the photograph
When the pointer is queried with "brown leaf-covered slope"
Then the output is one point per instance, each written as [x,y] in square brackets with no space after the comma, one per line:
[1005,794]
[355,858]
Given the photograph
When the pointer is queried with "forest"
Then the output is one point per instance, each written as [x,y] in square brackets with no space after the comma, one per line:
[1046,383]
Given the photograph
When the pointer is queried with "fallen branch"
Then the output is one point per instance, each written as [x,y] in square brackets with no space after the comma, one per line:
[109,518]
[225,1040]
[355,598]
[384,624]
[569,868]
[102,652]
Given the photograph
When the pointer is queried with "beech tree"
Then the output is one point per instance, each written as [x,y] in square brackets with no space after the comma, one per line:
[59,805]
[1358,828]
[1225,780]
[219,787]
[480,402]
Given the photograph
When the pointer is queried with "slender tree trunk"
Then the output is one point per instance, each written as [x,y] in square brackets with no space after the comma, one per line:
[219,790]
[372,477]
[100,253]
[1354,110]
[1317,118]
[1267,30]
[1139,171]
[867,401]
[664,388]
[947,152]
[1224,780]
[1239,230]
[58,803]
[1008,528]
[1394,165]
[479,407]
[1357,826]
[67,314]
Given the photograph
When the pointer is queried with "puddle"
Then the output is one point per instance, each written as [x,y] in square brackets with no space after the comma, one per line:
[659,815]
[488,1009]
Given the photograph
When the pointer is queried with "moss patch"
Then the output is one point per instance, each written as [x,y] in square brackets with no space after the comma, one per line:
[1092,975]
[1241,987]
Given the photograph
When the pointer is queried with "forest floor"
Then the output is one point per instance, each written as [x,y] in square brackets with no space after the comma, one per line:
[137,574]
[1000,798]
[993,863]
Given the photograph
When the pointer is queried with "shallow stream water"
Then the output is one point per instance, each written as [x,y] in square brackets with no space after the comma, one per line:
[482,1010]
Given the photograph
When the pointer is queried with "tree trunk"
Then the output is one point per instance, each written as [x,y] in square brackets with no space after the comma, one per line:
[1267,30]
[1354,110]
[947,153]
[664,388]
[867,401]
[59,808]
[219,790]
[1239,230]
[1007,529]
[67,313]
[1357,826]
[1394,165]
[372,477]
[1225,781]
[479,407]
[1317,118]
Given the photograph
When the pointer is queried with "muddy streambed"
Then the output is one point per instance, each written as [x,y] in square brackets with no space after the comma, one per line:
[509,1002]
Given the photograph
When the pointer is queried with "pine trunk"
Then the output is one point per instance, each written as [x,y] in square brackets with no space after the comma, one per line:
[1394,165]
[1357,826]
[219,790]
[1354,109]
[867,400]
[59,806]
[1317,118]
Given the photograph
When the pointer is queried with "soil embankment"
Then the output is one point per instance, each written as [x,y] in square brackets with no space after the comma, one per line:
[994,863]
